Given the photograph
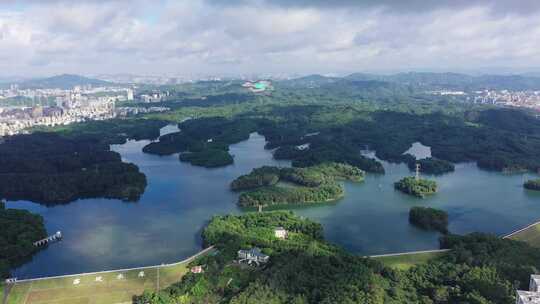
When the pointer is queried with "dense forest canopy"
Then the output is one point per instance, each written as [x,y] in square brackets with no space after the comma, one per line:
[19,229]
[206,140]
[429,218]
[416,187]
[280,186]
[51,169]
[431,165]
[533,184]
[347,117]
[114,131]
[306,269]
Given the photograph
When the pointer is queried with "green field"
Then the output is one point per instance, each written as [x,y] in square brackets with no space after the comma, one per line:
[406,261]
[99,288]
[530,235]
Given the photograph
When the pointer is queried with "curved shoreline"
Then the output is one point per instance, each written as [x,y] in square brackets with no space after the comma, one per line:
[202,252]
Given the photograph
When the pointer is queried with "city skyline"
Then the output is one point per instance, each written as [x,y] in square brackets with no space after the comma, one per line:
[212,37]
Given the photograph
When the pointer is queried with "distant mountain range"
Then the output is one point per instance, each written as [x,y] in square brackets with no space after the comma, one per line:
[426,81]
[64,81]
[410,80]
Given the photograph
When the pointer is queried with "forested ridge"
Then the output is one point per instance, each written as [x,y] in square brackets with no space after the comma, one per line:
[304,268]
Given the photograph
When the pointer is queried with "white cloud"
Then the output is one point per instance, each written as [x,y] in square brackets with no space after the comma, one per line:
[186,37]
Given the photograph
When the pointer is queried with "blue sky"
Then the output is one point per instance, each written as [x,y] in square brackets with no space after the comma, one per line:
[224,37]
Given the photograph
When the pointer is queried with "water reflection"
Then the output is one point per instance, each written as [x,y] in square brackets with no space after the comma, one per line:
[164,226]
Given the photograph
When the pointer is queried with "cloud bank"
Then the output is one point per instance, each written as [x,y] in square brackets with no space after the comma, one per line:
[265,36]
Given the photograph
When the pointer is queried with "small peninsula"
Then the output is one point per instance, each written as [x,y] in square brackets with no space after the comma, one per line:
[267,186]
[429,219]
[18,230]
[416,187]
[204,141]
[432,166]
[532,184]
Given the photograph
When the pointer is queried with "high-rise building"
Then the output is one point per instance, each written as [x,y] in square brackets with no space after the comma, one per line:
[129,94]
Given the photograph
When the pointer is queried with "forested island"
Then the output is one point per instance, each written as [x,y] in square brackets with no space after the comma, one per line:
[304,268]
[204,141]
[533,184]
[267,186]
[416,187]
[431,165]
[19,229]
[429,219]
[49,168]
[209,158]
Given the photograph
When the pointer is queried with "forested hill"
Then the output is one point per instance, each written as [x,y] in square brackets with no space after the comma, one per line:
[304,269]
[64,81]
[51,169]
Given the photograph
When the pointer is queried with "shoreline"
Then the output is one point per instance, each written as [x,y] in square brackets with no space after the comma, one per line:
[205,250]
[186,260]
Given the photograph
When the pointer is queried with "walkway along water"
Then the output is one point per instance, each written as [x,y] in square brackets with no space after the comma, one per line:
[55,237]
[191,258]
[520,230]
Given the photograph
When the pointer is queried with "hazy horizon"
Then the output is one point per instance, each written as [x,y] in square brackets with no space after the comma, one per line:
[232,38]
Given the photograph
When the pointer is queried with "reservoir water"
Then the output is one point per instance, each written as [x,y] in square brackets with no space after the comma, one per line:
[165,225]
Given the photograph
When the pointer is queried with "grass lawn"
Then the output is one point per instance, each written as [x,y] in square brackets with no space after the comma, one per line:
[530,235]
[100,288]
[406,261]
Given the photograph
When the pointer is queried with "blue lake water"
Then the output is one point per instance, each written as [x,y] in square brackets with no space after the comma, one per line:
[165,225]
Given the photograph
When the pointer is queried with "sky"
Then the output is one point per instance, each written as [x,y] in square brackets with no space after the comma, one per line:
[234,37]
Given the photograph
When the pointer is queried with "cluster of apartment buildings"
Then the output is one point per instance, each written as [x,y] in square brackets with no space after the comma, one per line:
[525,99]
[154,97]
[130,111]
[62,106]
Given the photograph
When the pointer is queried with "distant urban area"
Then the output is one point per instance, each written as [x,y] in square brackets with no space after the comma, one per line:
[524,99]
[65,99]
[24,108]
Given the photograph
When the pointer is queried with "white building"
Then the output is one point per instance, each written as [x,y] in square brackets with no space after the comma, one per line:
[533,295]
[129,94]
[281,233]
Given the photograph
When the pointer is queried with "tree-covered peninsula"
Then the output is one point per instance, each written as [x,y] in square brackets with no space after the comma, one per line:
[19,229]
[429,219]
[267,186]
[204,141]
[305,269]
[533,184]
[416,187]
[49,168]
[114,131]
[431,165]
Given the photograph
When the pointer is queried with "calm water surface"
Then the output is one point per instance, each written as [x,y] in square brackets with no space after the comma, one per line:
[165,225]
